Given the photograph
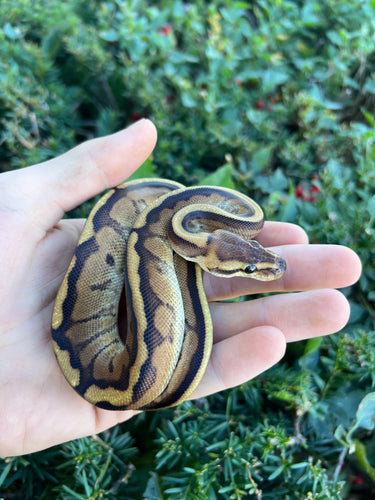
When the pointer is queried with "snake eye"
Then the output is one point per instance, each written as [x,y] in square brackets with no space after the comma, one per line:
[250,269]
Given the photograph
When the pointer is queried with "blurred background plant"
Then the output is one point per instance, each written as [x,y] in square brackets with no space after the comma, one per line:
[276,99]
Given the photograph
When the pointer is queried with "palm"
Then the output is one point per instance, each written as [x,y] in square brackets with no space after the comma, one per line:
[38,407]
[38,402]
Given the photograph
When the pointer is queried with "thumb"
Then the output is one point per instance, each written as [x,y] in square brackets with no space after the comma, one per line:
[47,190]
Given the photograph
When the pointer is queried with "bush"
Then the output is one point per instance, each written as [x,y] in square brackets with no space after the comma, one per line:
[276,99]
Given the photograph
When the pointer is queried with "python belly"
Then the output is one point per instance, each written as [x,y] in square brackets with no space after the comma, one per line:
[131,325]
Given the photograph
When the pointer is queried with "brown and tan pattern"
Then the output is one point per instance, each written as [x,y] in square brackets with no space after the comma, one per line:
[145,244]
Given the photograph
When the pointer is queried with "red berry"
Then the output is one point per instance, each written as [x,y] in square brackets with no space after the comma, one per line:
[166,30]
[299,192]
[356,480]
[136,116]
[260,104]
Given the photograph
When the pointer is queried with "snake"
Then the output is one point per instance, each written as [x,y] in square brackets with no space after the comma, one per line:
[131,323]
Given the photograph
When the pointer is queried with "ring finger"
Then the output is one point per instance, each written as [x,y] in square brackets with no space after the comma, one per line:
[298,315]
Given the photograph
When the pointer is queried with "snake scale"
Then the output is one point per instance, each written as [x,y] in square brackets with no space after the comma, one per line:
[131,326]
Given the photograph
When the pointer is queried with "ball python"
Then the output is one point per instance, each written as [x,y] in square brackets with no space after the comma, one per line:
[131,326]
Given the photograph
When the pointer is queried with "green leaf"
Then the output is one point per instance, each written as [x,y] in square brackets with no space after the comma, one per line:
[271,78]
[5,472]
[10,32]
[52,43]
[308,15]
[261,157]
[221,177]
[109,36]
[272,183]
[289,211]
[153,489]
[365,416]
[371,207]
[145,171]
[369,117]
[312,345]
[369,87]
[277,472]
[72,493]
[357,312]
[341,435]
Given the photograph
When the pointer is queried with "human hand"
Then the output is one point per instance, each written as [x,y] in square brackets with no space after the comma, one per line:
[38,407]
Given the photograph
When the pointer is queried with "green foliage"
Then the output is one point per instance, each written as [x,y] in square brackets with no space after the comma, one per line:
[82,469]
[277,100]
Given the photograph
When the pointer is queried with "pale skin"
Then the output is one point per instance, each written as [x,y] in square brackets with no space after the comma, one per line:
[38,408]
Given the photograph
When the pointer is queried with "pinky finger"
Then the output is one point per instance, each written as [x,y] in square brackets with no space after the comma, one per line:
[237,359]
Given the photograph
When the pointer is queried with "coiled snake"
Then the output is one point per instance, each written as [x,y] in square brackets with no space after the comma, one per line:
[145,244]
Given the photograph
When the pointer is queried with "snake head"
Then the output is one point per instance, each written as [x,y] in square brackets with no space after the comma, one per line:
[230,255]
[268,267]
